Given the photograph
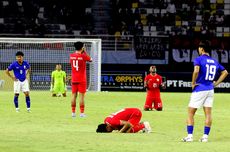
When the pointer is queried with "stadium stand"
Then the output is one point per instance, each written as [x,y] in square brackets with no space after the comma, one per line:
[115,17]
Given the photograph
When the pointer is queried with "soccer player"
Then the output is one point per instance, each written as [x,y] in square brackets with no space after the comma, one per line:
[153,83]
[58,81]
[21,69]
[125,121]
[205,71]
[78,61]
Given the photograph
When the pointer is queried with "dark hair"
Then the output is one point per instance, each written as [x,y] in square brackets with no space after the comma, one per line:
[78,45]
[101,128]
[206,45]
[19,53]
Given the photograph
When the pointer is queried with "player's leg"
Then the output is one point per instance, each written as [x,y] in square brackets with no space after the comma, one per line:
[82,104]
[25,90]
[208,115]
[158,104]
[135,121]
[148,103]
[73,99]
[196,101]
[55,90]
[63,90]
[17,86]
[82,91]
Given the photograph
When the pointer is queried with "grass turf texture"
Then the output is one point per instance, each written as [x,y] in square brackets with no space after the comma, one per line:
[50,127]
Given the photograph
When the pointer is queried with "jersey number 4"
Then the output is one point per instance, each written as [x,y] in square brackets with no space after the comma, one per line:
[210,72]
[75,64]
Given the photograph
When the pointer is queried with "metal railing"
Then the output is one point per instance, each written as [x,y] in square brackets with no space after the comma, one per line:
[109,42]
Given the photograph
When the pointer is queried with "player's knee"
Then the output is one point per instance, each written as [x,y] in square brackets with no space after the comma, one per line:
[16,94]
[159,109]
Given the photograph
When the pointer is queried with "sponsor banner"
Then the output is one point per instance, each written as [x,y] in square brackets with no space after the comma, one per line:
[118,81]
[181,82]
[147,47]
[40,81]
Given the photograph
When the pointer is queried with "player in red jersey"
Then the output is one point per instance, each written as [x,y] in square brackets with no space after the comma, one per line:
[78,61]
[153,83]
[125,121]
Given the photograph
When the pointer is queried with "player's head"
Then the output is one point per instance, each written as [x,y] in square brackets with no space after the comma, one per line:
[204,45]
[153,69]
[19,56]
[103,128]
[58,67]
[78,45]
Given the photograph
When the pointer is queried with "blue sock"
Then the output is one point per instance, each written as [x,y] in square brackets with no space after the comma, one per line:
[190,129]
[16,101]
[206,130]
[28,102]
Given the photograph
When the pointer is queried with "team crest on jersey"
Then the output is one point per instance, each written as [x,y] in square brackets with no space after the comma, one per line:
[24,67]
[158,80]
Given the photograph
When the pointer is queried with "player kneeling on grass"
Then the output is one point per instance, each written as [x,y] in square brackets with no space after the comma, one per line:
[125,121]
[153,83]
[21,69]
[58,82]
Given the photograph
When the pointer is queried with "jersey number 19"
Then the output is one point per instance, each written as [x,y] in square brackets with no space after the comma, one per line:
[210,72]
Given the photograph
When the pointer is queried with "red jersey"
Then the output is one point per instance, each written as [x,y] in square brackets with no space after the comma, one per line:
[133,115]
[153,84]
[78,66]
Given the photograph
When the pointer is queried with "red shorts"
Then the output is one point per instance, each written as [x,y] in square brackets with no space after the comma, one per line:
[153,100]
[135,117]
[79,87]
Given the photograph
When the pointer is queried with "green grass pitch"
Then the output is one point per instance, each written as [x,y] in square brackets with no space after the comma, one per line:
[50,127]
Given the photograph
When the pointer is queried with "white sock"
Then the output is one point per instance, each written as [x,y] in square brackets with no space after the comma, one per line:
[205,136]
[190,135]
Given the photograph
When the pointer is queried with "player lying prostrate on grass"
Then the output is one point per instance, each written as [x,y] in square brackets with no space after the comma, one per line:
[125,121]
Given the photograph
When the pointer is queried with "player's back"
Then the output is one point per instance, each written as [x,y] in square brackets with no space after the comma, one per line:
[78,66]
[207,73]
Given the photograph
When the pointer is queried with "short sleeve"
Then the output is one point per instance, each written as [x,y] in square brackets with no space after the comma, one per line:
[27,65]
[11,67]
[196,62]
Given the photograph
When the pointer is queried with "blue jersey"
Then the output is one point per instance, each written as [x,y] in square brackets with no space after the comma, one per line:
[19,70]
[209,67]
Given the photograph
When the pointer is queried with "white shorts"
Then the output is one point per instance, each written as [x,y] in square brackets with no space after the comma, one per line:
[21,86]
[202,99]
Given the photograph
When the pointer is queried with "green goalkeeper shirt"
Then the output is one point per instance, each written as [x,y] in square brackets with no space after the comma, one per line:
[58,77]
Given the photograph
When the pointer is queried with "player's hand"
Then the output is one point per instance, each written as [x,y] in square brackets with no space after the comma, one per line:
[163,85]
[194,85]
[14,79]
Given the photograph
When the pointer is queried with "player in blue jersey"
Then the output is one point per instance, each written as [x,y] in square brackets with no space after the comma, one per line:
[203,83]
[21,69]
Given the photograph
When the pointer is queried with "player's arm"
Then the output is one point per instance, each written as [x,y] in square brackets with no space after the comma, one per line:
[195,75]
[9,75]
[127,126]
[163,83]
[28,71]
[223,75]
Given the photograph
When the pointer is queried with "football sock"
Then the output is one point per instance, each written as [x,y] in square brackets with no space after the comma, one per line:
[190,129]
[206,130]
[73,109]
[16,101]
[28,101]
[82,108]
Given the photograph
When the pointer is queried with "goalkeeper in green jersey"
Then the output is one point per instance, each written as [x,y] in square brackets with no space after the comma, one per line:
[58,82]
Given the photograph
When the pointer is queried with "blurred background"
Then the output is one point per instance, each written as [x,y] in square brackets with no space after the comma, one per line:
[135,34]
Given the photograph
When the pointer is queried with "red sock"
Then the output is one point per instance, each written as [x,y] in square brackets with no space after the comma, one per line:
[82,108]
[73,109]
[137,128]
